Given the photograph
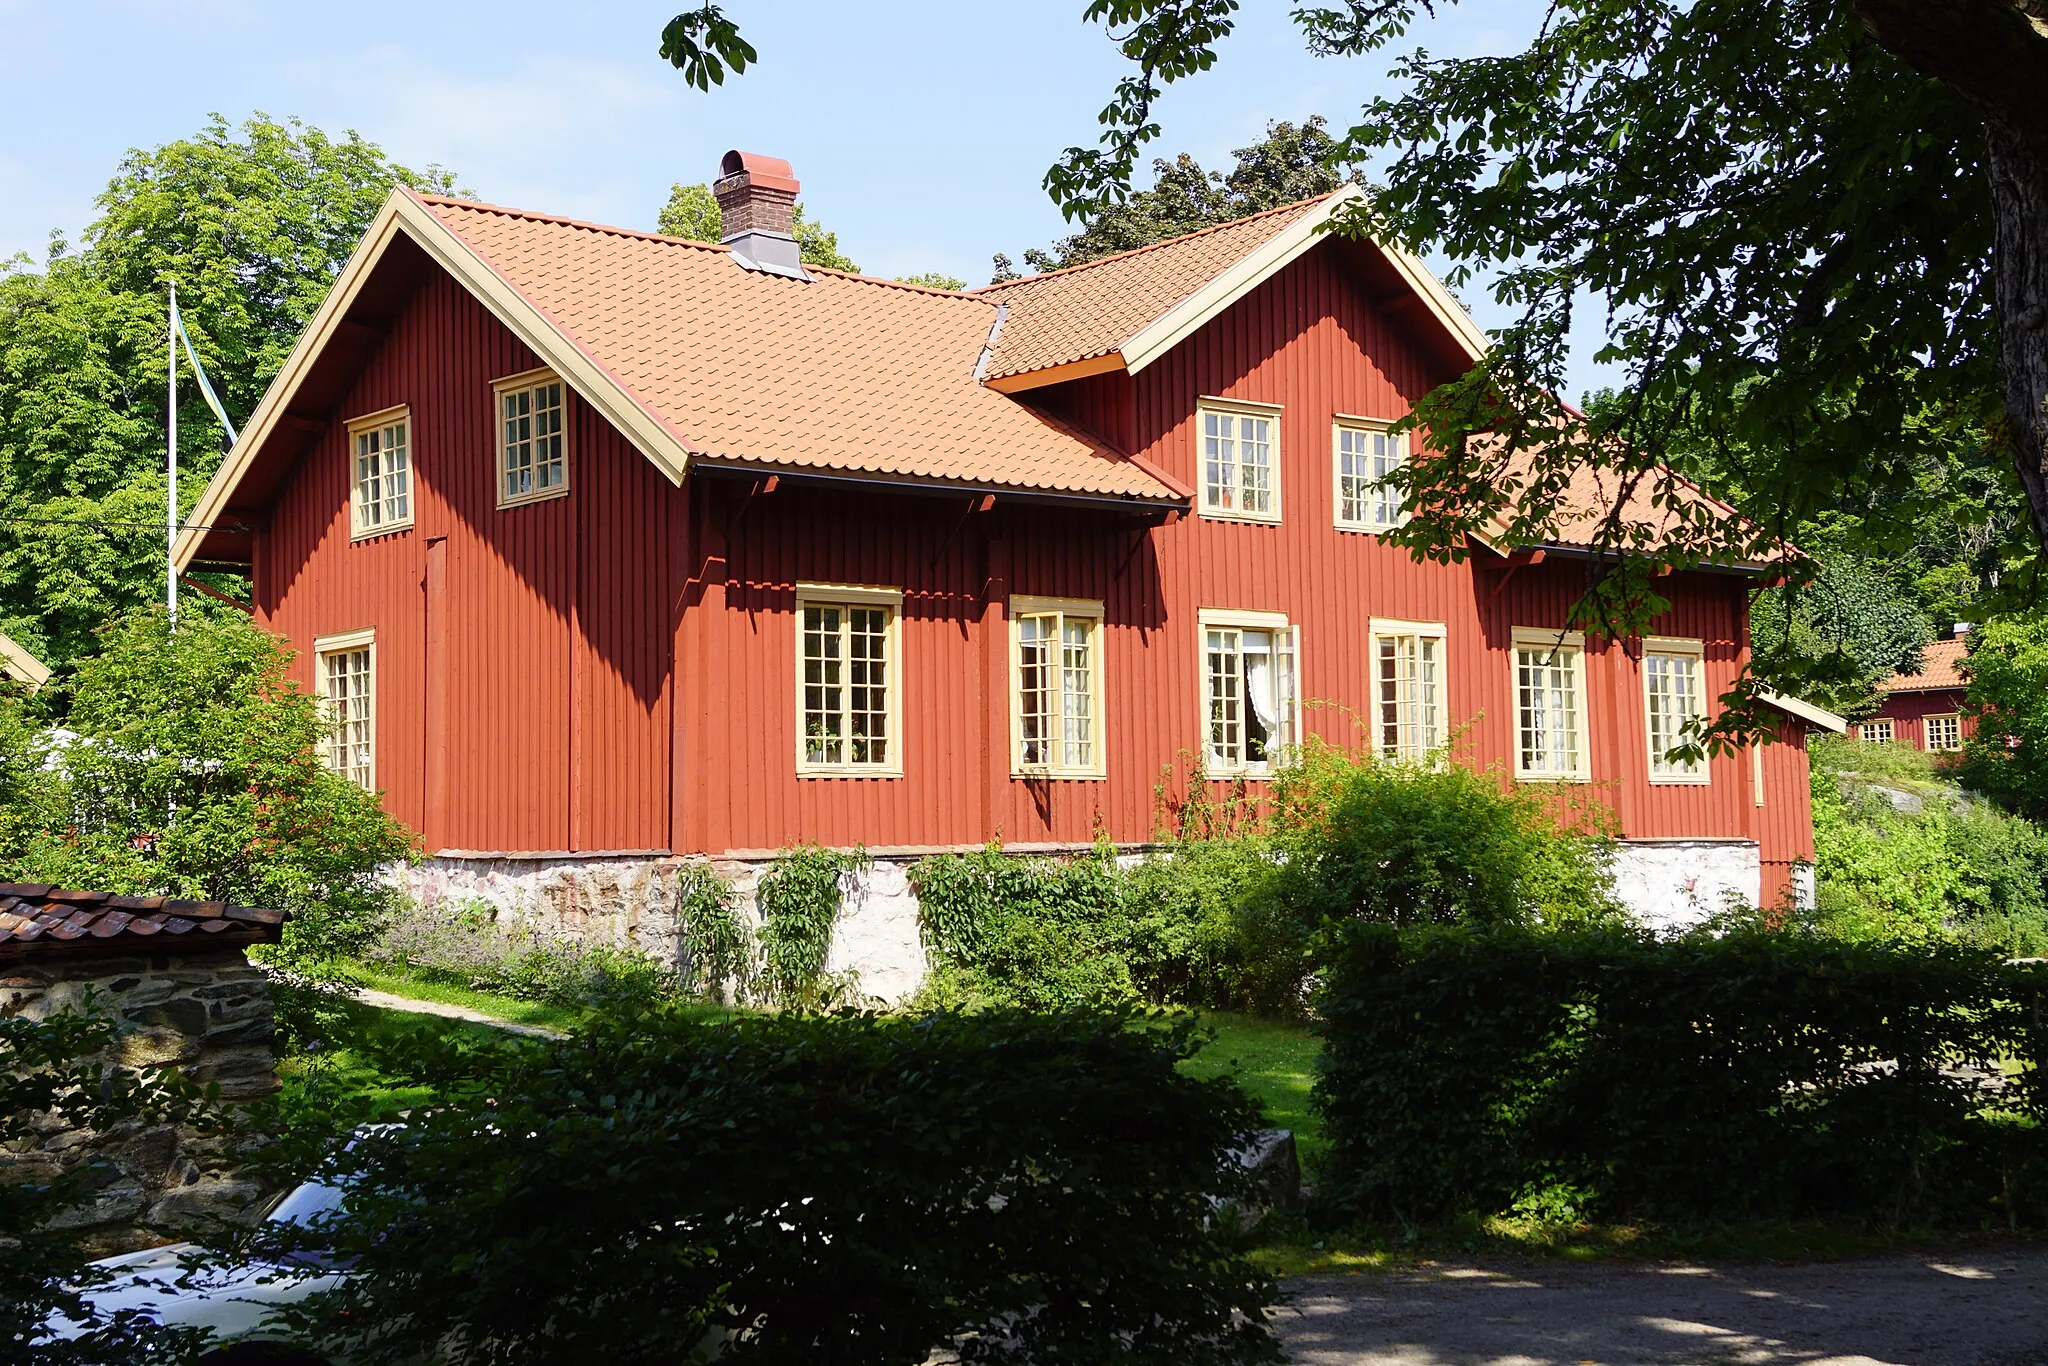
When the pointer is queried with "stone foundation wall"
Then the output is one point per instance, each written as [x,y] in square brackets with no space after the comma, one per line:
[1675,884]
[634,899]
[210,1013]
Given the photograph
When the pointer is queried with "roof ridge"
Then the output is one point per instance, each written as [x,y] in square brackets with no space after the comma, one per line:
[562,220]
[536,216]
[1155,246]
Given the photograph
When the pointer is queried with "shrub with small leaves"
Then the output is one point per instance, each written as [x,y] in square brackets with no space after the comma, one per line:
[799,897]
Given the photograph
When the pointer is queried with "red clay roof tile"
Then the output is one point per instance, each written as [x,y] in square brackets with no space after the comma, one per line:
[844,374]
[1940,669]
[37,920]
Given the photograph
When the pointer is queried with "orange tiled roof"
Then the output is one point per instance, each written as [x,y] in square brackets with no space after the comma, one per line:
[1589,498]
[1940,669]
[37,919]
[1091,310]
[845,374]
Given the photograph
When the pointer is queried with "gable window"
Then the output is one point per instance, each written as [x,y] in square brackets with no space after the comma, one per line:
[1675,696]
[1944,732]
[1366,454]
[1550,706]
[848,692]
[1057,707]
[1250,695]
[381,450]
[1408,689]
[1878,732]
[1240,460]
[345,671]
[533,458]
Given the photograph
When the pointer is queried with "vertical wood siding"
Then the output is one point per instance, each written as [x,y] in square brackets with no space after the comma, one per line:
[551,652]
[616,668]
[1908,712]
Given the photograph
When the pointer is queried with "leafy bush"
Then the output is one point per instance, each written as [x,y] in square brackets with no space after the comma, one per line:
[1471,1070]
[196,771]
[717,946]
[1956,869]
[2007,758]
[799,898]
[848,1189]
[465,943]
[1037,933]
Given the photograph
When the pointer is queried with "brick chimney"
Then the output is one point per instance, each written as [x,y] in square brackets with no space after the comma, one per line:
[757,204]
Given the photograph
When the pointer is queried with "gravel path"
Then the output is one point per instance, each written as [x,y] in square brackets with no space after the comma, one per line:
[388,1001]
[1982,1308]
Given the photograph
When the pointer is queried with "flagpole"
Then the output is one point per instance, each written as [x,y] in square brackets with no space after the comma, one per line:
[171,500]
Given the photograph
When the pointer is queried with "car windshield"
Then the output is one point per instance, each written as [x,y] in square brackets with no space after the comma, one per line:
[304,1208]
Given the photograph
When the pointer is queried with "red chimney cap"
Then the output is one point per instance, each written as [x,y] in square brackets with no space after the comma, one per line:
[770,173]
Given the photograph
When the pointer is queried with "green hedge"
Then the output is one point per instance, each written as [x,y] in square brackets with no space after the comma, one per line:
[846,1188]
[1602,1072]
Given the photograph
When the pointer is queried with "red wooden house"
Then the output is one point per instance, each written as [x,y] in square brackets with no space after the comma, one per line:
[612,548]
[1925,710]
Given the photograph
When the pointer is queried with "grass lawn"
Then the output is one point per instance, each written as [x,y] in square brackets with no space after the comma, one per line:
[400,982]
[1276,1062]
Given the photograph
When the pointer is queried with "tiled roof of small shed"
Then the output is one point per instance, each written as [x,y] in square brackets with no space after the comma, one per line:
[845,373]
[1940,669]
[1090,310]
[37,919]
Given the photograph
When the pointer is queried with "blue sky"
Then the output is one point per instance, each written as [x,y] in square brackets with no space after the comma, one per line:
[919,128]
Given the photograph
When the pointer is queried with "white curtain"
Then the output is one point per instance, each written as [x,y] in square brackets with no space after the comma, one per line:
[1258,688]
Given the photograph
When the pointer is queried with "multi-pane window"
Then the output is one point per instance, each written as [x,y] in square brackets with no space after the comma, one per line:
[1408,689]
[1944,732]
[1240,462]
[1249,681]
[1675,696]
[382,452]
[1877,732]
[1058,670]
[1549,705]
[1366,458]
[847,684]
[532,460]
[347,675]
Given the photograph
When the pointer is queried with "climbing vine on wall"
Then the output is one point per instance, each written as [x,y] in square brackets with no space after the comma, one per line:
[717,945]
[799,899]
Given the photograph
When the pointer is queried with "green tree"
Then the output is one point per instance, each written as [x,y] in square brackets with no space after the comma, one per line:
[1835,637]
[196,771]
[692,212]
[933,279]
[252,224]
[1294,162]
[2007,758]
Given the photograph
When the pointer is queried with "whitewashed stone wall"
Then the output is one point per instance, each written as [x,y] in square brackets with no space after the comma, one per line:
[633,900]
[1675,884]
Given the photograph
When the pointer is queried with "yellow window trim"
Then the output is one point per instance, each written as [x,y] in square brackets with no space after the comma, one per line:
[1688,647]
[853,595]
[1341,422]
[347,642]
[383,417]
[1088,609]
[1571,643]
[527,379]
[1240,619]
[1243,408]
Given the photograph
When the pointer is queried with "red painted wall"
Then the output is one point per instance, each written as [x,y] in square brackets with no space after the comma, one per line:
[1909,710]
[538,639]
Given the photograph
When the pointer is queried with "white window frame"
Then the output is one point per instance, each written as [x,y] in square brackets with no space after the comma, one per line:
[852,595]
[1062,610]
[1287,699]
[1236,408]
[1662,772]
[380,423]
[1369,427]
[1891,731]
[324,649]
[526,381]
[1927,732]
[1567,645]
[1436,727]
